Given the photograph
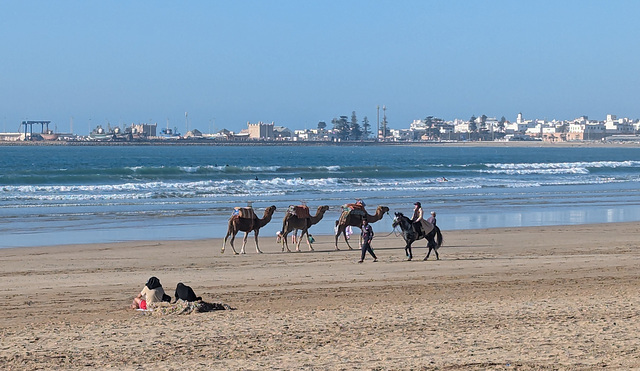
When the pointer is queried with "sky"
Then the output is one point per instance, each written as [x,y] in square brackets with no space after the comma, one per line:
[81,64]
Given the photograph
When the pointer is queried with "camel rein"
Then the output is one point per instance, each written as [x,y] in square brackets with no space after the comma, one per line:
[393,231]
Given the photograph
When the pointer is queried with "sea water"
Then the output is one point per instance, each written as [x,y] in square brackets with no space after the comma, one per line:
[85,194]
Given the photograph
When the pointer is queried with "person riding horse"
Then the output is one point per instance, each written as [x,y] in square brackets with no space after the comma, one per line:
[433,237]
[421,226]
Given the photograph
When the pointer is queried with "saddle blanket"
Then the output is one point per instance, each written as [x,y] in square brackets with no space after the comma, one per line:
[300,211]
[347,211]
[243,212]
[355,209]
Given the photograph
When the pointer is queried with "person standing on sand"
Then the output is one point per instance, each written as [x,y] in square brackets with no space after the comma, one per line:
[367,236]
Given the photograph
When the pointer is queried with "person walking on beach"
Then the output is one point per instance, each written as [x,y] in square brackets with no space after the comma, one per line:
[432,218]
[367,236]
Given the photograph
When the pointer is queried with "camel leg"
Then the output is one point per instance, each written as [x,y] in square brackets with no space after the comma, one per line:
[256,237]
[308,242]
[286,230]
[244,243]
[285,243]
[224,244]
[300,240]
[338,235]
[233,238]
[344,234]
[304,232]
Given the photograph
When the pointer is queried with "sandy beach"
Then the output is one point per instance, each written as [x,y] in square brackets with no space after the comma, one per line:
[561,297]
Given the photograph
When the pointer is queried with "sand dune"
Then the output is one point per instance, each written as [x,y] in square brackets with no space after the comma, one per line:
[515,298]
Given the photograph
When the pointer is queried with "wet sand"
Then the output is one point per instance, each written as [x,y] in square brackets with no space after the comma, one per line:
[561,297]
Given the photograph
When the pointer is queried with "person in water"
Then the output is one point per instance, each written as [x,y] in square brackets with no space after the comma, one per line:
[152,292]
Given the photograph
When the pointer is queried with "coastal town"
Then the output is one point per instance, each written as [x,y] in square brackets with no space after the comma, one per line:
[351,129]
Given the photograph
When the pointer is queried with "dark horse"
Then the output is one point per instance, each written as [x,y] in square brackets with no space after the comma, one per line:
[410,235]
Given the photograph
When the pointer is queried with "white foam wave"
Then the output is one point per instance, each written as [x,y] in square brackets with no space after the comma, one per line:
[525,171]
[564,165]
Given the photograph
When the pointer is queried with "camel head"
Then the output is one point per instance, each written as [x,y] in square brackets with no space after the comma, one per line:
[382,209]
[269,210]
[322,209]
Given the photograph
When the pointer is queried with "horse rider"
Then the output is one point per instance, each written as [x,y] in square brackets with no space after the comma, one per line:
[421,226]
[417,218]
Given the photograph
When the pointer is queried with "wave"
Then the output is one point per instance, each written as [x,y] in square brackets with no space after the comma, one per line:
[557,167]
[278,186]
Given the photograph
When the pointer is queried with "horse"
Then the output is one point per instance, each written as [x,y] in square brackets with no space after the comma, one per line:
[410,236]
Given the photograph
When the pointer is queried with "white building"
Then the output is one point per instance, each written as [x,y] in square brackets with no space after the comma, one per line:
[615,126]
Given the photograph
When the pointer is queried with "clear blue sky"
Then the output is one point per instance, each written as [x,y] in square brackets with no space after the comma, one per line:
[300,62]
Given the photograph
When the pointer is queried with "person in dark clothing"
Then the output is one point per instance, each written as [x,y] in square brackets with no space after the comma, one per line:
[432,218]
[367,236]
[184,292]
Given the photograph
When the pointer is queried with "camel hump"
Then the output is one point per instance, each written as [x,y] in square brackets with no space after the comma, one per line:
[244,212]
[301,211]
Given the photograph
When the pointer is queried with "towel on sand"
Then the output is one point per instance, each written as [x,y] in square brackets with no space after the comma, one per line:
[185,307]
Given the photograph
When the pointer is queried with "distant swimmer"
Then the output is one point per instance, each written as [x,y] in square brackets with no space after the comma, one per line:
[443,179]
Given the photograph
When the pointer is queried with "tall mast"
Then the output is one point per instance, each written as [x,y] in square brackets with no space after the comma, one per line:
[378,125]
[384,122]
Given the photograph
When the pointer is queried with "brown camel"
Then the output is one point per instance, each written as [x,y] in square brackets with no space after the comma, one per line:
[292,222]
[355,220]
[246,225]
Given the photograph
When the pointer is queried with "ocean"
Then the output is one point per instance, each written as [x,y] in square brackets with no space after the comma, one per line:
[53,195]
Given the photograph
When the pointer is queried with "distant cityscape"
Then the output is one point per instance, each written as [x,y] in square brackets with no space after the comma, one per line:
[350,129]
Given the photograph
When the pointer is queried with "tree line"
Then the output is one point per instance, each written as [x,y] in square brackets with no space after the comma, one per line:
[346,129]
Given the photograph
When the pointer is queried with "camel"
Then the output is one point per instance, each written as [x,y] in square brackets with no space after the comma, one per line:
[246,225]
[355,220]
[292,222]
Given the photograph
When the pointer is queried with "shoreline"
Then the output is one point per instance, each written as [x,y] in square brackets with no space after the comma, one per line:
[203,232]
[500,298]
[203,143]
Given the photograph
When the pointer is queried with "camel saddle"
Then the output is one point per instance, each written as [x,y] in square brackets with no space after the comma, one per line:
[351,209]
[243,212]
[301,211]
[355,209]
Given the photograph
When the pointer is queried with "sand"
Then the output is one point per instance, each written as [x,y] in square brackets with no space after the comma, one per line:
[516,298]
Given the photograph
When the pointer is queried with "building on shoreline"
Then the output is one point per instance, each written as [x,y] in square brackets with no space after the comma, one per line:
[429,129]
[260,130]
